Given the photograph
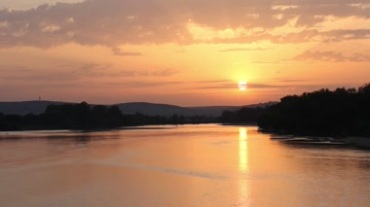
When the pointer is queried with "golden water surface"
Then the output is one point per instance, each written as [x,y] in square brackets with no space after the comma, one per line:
[192,165]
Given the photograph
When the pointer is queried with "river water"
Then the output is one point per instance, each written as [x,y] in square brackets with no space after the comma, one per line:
[184,166]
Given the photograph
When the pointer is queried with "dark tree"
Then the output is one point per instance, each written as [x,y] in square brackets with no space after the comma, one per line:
[341,112]
[245,115]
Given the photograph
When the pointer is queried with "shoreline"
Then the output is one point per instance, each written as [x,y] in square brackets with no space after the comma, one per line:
[350,141]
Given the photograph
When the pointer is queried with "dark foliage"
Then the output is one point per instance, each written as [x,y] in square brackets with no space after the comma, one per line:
[341,112]
[245,115]
[79,116]
[9,122]
[84,116]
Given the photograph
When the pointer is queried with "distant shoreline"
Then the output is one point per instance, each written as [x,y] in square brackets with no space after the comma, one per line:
[316,140]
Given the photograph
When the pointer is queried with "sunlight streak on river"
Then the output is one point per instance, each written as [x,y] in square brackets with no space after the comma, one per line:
[243,149]
[243,167]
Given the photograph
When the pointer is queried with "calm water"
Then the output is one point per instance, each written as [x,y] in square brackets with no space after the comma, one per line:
[204,165]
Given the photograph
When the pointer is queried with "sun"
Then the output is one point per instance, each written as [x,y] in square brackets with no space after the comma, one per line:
[242,85]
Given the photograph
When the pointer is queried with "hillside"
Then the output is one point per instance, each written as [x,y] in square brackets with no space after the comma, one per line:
[150,109]
[153,109]
[25,107]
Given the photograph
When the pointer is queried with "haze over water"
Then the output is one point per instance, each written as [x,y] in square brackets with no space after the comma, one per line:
[192,165]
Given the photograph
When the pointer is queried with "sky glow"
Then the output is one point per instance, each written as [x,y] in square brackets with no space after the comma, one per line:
[188,53]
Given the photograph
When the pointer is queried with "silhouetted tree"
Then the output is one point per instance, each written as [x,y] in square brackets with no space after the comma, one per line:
[245,115]
[329,113]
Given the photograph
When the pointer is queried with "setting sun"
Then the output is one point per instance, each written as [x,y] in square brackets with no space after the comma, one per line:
[242,85]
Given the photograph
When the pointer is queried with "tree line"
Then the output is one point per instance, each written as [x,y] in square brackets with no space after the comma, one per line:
[83,116]
[245,115]
[341,112]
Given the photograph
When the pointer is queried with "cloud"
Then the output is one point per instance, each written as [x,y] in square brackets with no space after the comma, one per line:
[117,22]
[28,4]
[166,72]
[291,85]
[242,49]
[341,35]
[99,70]
[266,62]
[117,51]
[286,85]
[331,56]
[141,84]
[67,73]
[227,84]
[289,80]
[263,86]
[13,69]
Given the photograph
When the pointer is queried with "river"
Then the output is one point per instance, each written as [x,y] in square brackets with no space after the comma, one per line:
[180,166]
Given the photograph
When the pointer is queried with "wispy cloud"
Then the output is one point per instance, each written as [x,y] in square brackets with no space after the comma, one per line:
[267,62]
[142,84]
[331,56]
[227,84]
[116,22]
[289,85]
[165,72]
[241,49]
[117,51]
[13,69]
[65,73]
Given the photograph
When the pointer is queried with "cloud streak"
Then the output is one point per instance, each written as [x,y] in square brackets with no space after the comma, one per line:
[119,52]
[292,85]
[331,56]
[67,73]
[117,22]
[242,49]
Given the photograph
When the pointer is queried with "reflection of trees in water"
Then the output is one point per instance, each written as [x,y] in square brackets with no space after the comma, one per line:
[8,137]
[364,163]
[82,138]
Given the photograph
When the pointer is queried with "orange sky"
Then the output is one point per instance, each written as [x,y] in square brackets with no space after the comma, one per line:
[183,52]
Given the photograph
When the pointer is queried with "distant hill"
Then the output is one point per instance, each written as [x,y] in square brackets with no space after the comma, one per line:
[212,110]
[151,109]
[25,107]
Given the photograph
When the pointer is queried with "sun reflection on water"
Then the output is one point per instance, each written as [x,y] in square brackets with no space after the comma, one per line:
[243,149]
[243,167]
